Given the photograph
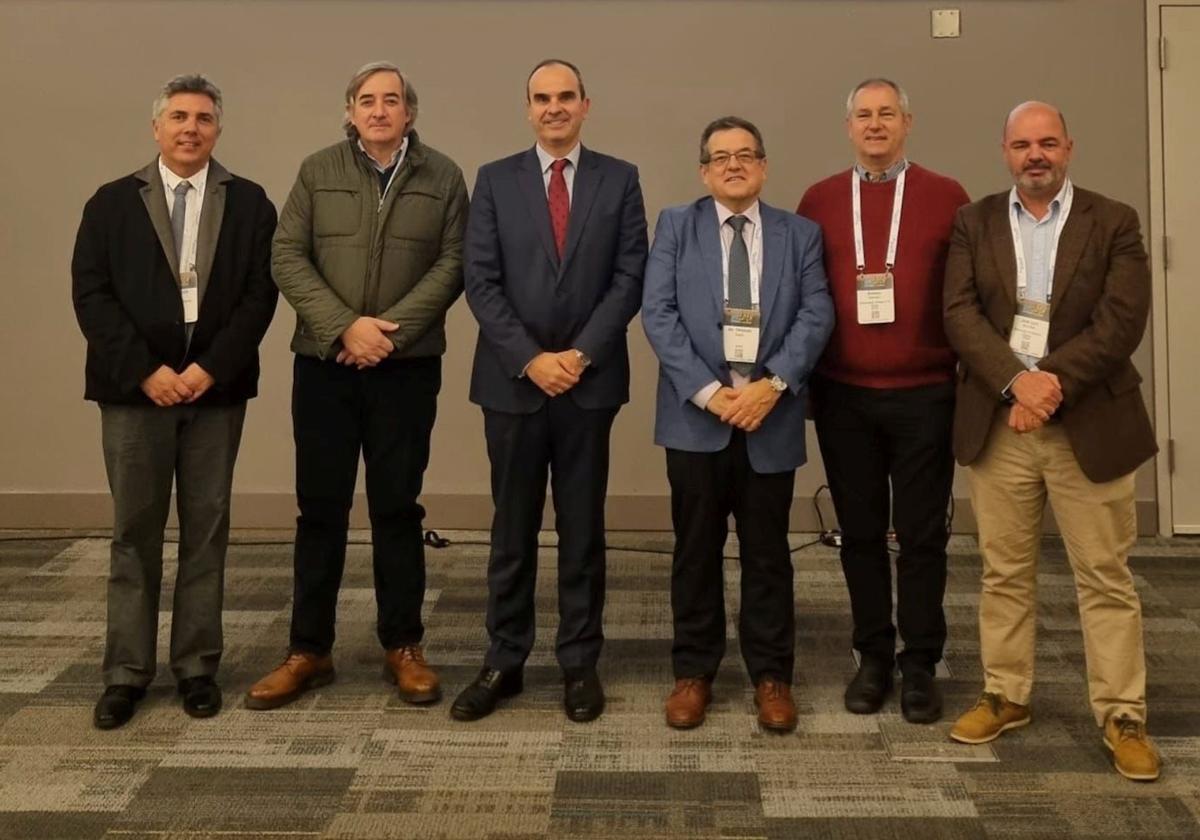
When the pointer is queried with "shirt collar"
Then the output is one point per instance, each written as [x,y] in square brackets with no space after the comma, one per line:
[397,155]
[171,180]
[1014,200]
[724,213]
[545,158]
[891,174]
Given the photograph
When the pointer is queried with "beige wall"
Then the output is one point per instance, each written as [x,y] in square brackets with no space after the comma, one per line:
[77,79]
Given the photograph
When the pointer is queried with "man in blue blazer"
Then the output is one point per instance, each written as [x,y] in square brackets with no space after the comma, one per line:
[554,254]
[737,309]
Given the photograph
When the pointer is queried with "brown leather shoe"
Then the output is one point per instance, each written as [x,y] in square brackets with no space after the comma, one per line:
[415,680]
[776,710]
[690,697]
[298,673]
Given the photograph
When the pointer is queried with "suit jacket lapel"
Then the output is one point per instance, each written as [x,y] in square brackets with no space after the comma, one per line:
[156,206]
[1000,237]
[1071,242]
[583,194]
[529,177]
[211,216]
[709,237]
[774,246]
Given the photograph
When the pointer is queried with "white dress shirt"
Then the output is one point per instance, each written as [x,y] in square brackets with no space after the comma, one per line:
[752,235]
[194,203]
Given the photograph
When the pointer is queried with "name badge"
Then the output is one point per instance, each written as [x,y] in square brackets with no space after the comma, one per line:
[190,292]
[739,334]
[876,298]
[1031,328]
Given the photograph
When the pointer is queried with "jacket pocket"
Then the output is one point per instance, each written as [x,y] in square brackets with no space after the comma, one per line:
[336,211]
[416,216]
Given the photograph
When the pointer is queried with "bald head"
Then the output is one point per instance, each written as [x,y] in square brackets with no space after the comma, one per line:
[1037,151]
[1034,107]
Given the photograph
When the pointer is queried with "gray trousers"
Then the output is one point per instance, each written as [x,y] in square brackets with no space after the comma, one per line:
[145,447]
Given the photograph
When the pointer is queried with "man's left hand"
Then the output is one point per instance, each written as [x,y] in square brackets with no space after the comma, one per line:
[198,379]
[750,405]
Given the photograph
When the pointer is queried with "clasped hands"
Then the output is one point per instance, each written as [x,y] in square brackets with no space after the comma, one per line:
[555,373]
[165,387]
[365,342]
[1038,394]
[745,407]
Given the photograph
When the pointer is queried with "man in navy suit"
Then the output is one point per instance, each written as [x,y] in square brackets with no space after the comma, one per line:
[737,309]
[554,254]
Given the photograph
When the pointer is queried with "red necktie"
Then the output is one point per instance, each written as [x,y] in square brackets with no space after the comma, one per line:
[560,204]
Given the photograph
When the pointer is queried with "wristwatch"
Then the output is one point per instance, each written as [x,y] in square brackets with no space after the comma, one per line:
[777,383]
[583,358]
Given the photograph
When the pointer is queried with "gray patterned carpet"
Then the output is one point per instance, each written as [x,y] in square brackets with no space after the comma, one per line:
[351,761]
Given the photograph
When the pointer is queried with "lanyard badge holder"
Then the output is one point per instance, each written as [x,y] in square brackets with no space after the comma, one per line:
[876,293]
[1030,334]
[739,334]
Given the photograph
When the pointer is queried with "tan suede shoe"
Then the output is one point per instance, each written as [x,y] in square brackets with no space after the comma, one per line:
[298,673]
[1134,755]
[688,700]
[991,717]
[415,681]
[776,709]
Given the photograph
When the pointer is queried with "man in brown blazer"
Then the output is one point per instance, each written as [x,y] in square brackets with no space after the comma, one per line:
[1046,298]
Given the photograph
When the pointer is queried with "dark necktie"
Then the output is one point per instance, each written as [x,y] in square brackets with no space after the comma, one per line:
[560,204]
[739,278]
[178,214]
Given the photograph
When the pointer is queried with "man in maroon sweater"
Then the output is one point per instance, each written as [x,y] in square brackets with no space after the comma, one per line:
[883,395]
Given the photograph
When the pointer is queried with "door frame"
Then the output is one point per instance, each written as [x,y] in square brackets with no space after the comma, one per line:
[1158,275]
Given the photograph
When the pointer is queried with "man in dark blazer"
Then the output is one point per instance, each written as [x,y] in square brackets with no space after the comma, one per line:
[737,309]
[1046,298]
[555,249]
[172,287]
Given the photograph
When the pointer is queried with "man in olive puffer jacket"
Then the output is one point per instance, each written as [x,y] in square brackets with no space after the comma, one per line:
[369,253]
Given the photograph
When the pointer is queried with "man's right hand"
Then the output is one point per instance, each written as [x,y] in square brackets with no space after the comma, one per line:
[1022,420]
[721,400]
[366,340]
[1039,391]
[165,387]
[549,372]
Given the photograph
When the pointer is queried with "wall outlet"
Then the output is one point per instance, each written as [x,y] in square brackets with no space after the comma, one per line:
[945,23]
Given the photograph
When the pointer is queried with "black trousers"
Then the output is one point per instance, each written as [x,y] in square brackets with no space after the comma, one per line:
[705,488]
[868,437]
[387,414]
[571,445]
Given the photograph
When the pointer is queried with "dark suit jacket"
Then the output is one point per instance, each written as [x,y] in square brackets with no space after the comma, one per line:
[1098,311]
[126,292]
[682,310]
[528,301]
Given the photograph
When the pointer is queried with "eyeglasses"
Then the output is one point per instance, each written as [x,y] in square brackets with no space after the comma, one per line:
[720,160]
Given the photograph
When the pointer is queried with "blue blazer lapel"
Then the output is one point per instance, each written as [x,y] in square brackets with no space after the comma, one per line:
[529,177]
[774,248]
[583,194]
[709,238]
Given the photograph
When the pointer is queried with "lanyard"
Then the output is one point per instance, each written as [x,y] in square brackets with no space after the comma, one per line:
[893,234]
[754,250]
[1064,210]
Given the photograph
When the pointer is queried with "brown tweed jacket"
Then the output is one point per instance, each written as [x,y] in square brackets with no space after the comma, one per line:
[1098,311]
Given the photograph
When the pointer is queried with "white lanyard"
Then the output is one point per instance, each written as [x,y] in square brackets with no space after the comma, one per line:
[893,234]
[1064,210]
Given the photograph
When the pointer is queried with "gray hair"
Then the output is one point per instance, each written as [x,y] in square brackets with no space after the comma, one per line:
[187,83]
[359,79]
[877,81]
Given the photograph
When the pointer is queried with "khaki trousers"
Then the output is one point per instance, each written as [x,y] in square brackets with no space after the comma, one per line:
[1009,486]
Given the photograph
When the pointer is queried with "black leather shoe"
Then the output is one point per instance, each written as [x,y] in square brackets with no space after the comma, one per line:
[116,706]
[479,699]
[920,697]
[201,696]
[870,686]
[583,696]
